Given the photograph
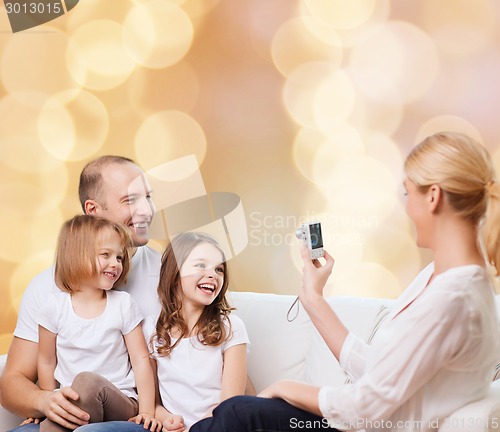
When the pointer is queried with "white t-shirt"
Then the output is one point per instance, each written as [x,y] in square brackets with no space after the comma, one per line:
[434,353]
[93,345]
[141,285]
[190,378]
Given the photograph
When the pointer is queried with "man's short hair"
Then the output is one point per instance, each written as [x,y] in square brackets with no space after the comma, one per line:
[90,186]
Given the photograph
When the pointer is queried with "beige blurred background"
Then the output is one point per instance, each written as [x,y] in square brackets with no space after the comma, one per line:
[304,108]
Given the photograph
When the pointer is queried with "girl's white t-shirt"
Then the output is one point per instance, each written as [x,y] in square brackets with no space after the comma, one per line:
[190,378]
[93,345]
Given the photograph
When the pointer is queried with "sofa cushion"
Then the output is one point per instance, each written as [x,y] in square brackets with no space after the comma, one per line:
[273,357]
[480,416]
[359,316]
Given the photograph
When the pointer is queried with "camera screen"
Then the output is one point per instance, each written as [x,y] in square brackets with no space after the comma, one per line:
[316,237]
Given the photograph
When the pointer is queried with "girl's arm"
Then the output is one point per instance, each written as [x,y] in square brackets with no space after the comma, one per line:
[144,379]
[234,373]
[47,359]
[170,422]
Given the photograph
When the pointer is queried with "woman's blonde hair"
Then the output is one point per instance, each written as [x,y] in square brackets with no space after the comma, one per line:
[463,169]
[210,326]
[76,255]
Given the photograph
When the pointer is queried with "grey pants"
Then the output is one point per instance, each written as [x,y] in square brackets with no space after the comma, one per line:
[100,398]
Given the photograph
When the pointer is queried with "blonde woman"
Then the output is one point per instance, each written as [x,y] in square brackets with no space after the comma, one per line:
[436,350]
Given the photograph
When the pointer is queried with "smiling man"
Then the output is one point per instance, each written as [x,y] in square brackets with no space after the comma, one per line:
[113,187]
[117,189]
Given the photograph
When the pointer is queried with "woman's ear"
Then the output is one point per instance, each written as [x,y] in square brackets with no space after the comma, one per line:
[435,196]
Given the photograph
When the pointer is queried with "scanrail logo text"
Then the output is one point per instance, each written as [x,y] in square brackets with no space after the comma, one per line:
[25,14]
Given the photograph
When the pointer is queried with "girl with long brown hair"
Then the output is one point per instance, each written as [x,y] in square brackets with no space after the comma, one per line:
[198,348]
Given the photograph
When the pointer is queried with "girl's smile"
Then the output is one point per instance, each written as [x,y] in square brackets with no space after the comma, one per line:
[109,259]
[202,275]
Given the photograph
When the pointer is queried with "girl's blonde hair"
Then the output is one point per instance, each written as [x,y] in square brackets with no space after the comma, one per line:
[76,255]
[210,326]
[463,169]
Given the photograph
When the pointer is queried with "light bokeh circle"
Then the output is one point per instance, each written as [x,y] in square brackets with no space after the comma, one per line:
[157,34]
[362,186]
[460,28]
[343,143]
[20,146]
[168,135]
[398,62]
[340,13]
[97,57]
[306,145]
[25,271]
[147,88]
[31,63]
[73,125]
[447,123]
[319,95]
[334,101]
[383,148]
[399,250]
[355,35]
[195,9]
[293,44]
[383,116]
[20,204]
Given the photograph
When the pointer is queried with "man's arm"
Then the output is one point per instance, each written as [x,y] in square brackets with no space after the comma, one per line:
[19,393]
[47,359]
[23,397]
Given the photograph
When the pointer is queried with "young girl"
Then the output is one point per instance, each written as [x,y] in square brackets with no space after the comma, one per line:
[436,350]
[199,350]
[90,338]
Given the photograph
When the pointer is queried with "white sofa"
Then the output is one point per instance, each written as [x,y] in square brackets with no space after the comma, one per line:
[281,349]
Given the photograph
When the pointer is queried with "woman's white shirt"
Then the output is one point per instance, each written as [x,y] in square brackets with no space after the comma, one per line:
[435,352]
[190,378]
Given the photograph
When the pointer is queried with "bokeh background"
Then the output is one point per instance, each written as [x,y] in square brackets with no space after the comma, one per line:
[304,108]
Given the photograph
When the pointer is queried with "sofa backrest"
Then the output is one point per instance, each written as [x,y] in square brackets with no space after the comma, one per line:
[280,349]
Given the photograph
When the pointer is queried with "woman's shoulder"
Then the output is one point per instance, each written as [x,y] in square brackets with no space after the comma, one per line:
[461,291]
[464,280]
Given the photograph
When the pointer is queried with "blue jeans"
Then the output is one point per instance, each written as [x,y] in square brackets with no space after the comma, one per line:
[112,426]
[254,414]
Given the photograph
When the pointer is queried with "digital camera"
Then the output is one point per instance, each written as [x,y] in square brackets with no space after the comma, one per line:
[311,234]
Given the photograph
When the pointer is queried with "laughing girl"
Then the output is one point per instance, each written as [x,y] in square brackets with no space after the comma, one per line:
[198,348]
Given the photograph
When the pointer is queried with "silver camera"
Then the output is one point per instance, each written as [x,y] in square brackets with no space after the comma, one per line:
[311,234]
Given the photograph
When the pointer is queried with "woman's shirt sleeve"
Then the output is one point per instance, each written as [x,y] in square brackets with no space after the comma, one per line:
[352,356]
[424,339]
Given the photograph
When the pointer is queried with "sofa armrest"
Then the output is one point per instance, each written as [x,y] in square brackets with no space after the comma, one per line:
[7,420]
[479,416]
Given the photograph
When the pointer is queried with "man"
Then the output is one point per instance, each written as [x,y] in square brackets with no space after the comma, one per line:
[113,187]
